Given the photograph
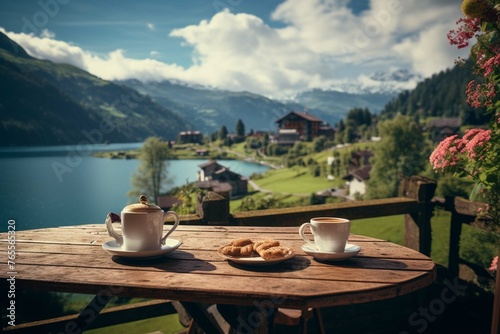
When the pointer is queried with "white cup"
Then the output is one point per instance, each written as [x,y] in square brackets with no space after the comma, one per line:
[330,233]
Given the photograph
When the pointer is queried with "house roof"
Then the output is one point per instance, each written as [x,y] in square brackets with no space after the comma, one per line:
[445,122]
[215,185]
[303,115]
[209,163]
[359,174]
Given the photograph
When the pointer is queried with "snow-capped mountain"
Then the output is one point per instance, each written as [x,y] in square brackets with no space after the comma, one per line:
[392,82]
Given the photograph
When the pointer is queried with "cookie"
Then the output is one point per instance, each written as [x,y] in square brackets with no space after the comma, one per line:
[231,250]
[265,244]
[238,247]
[241,242]
[246,250]
[275,252]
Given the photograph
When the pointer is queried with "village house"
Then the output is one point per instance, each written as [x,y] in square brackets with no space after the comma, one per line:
[440,128]
[288,137]
[190,137]
[220,179]
[356,180]
[306,126]
[360,158]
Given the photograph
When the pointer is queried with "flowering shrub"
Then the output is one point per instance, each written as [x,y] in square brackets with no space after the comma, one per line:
[477,154]
[494,264]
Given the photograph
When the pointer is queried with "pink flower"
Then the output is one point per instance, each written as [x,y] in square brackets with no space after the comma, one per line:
[474,139]
[490,65]
[494,264]
[465,32]
[480,95]
[445,154]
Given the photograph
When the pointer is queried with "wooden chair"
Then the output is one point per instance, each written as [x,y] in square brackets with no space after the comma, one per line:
[291,317]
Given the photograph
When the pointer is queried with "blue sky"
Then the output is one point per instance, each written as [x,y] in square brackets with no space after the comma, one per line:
[271,47]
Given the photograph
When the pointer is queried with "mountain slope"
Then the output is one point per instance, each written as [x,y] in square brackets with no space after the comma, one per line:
[43,103]
[339,103]
[442,95]
[209,109]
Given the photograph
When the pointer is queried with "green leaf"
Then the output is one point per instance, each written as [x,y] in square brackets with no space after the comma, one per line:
[475,191]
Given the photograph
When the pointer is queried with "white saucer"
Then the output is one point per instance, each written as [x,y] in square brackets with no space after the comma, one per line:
[113,248]
[349,251]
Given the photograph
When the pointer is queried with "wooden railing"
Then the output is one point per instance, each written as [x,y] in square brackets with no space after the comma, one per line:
[416,202]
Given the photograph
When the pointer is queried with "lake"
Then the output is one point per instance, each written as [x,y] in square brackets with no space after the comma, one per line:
[65,185]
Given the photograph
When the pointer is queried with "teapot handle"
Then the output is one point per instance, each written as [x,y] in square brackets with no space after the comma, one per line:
[176,216]
[110,219]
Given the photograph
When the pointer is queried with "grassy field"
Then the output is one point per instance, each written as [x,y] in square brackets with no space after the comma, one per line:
[168,324]
[392,229]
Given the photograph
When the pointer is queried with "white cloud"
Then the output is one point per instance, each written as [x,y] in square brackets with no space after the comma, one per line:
[429,52]
[151,26]
[46,33]
[320,43]
[115,66]
[154,53]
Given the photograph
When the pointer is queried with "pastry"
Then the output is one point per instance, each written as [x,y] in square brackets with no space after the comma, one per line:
[238,247]
[267,249]
[274,252]
[264,244]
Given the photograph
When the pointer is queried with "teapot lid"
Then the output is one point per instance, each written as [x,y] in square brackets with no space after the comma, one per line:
[142,206]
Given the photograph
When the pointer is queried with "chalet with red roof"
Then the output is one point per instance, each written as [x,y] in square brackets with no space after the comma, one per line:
[301,125]
[220,179]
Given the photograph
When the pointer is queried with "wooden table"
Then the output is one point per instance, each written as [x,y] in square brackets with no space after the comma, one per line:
[71,259]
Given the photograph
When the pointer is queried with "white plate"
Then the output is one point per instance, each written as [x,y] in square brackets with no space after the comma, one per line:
[349,251]
[255,260]
[113,248]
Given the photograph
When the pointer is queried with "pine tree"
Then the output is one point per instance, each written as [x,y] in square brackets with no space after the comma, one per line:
[240,128]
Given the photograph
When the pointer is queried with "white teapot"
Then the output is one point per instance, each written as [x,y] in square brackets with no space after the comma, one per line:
[142,226]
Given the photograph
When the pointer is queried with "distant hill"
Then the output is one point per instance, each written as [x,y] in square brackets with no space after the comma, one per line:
[209,109]
[338,104]
[442,95]
[43,103]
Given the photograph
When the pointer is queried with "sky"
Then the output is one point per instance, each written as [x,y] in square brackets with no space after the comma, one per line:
[274,48]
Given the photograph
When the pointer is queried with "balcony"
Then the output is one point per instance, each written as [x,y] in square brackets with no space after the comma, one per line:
[417,203]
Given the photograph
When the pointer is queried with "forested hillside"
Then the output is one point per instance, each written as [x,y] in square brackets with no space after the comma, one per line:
[442,95]
[44,103]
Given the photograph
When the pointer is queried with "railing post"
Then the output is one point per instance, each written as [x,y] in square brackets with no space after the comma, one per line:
[213,208]
[457,219]
[418,224]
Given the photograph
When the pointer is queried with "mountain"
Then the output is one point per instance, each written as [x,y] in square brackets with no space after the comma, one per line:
[388,83]
[337,104]
[442,95]
[209,109]
[43,103]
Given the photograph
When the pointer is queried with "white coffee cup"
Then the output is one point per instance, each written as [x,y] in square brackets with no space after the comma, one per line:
[330,233]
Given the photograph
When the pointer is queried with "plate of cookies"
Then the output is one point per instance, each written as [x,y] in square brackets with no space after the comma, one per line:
[259,253]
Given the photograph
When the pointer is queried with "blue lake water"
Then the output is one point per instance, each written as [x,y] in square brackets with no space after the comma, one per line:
[59,186]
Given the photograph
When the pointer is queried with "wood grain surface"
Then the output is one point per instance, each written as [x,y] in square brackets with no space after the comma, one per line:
[71,259]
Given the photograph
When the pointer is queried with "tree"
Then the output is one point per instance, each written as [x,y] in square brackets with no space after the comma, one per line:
[240,128]
[401,152]
[151,174]
[223,132]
